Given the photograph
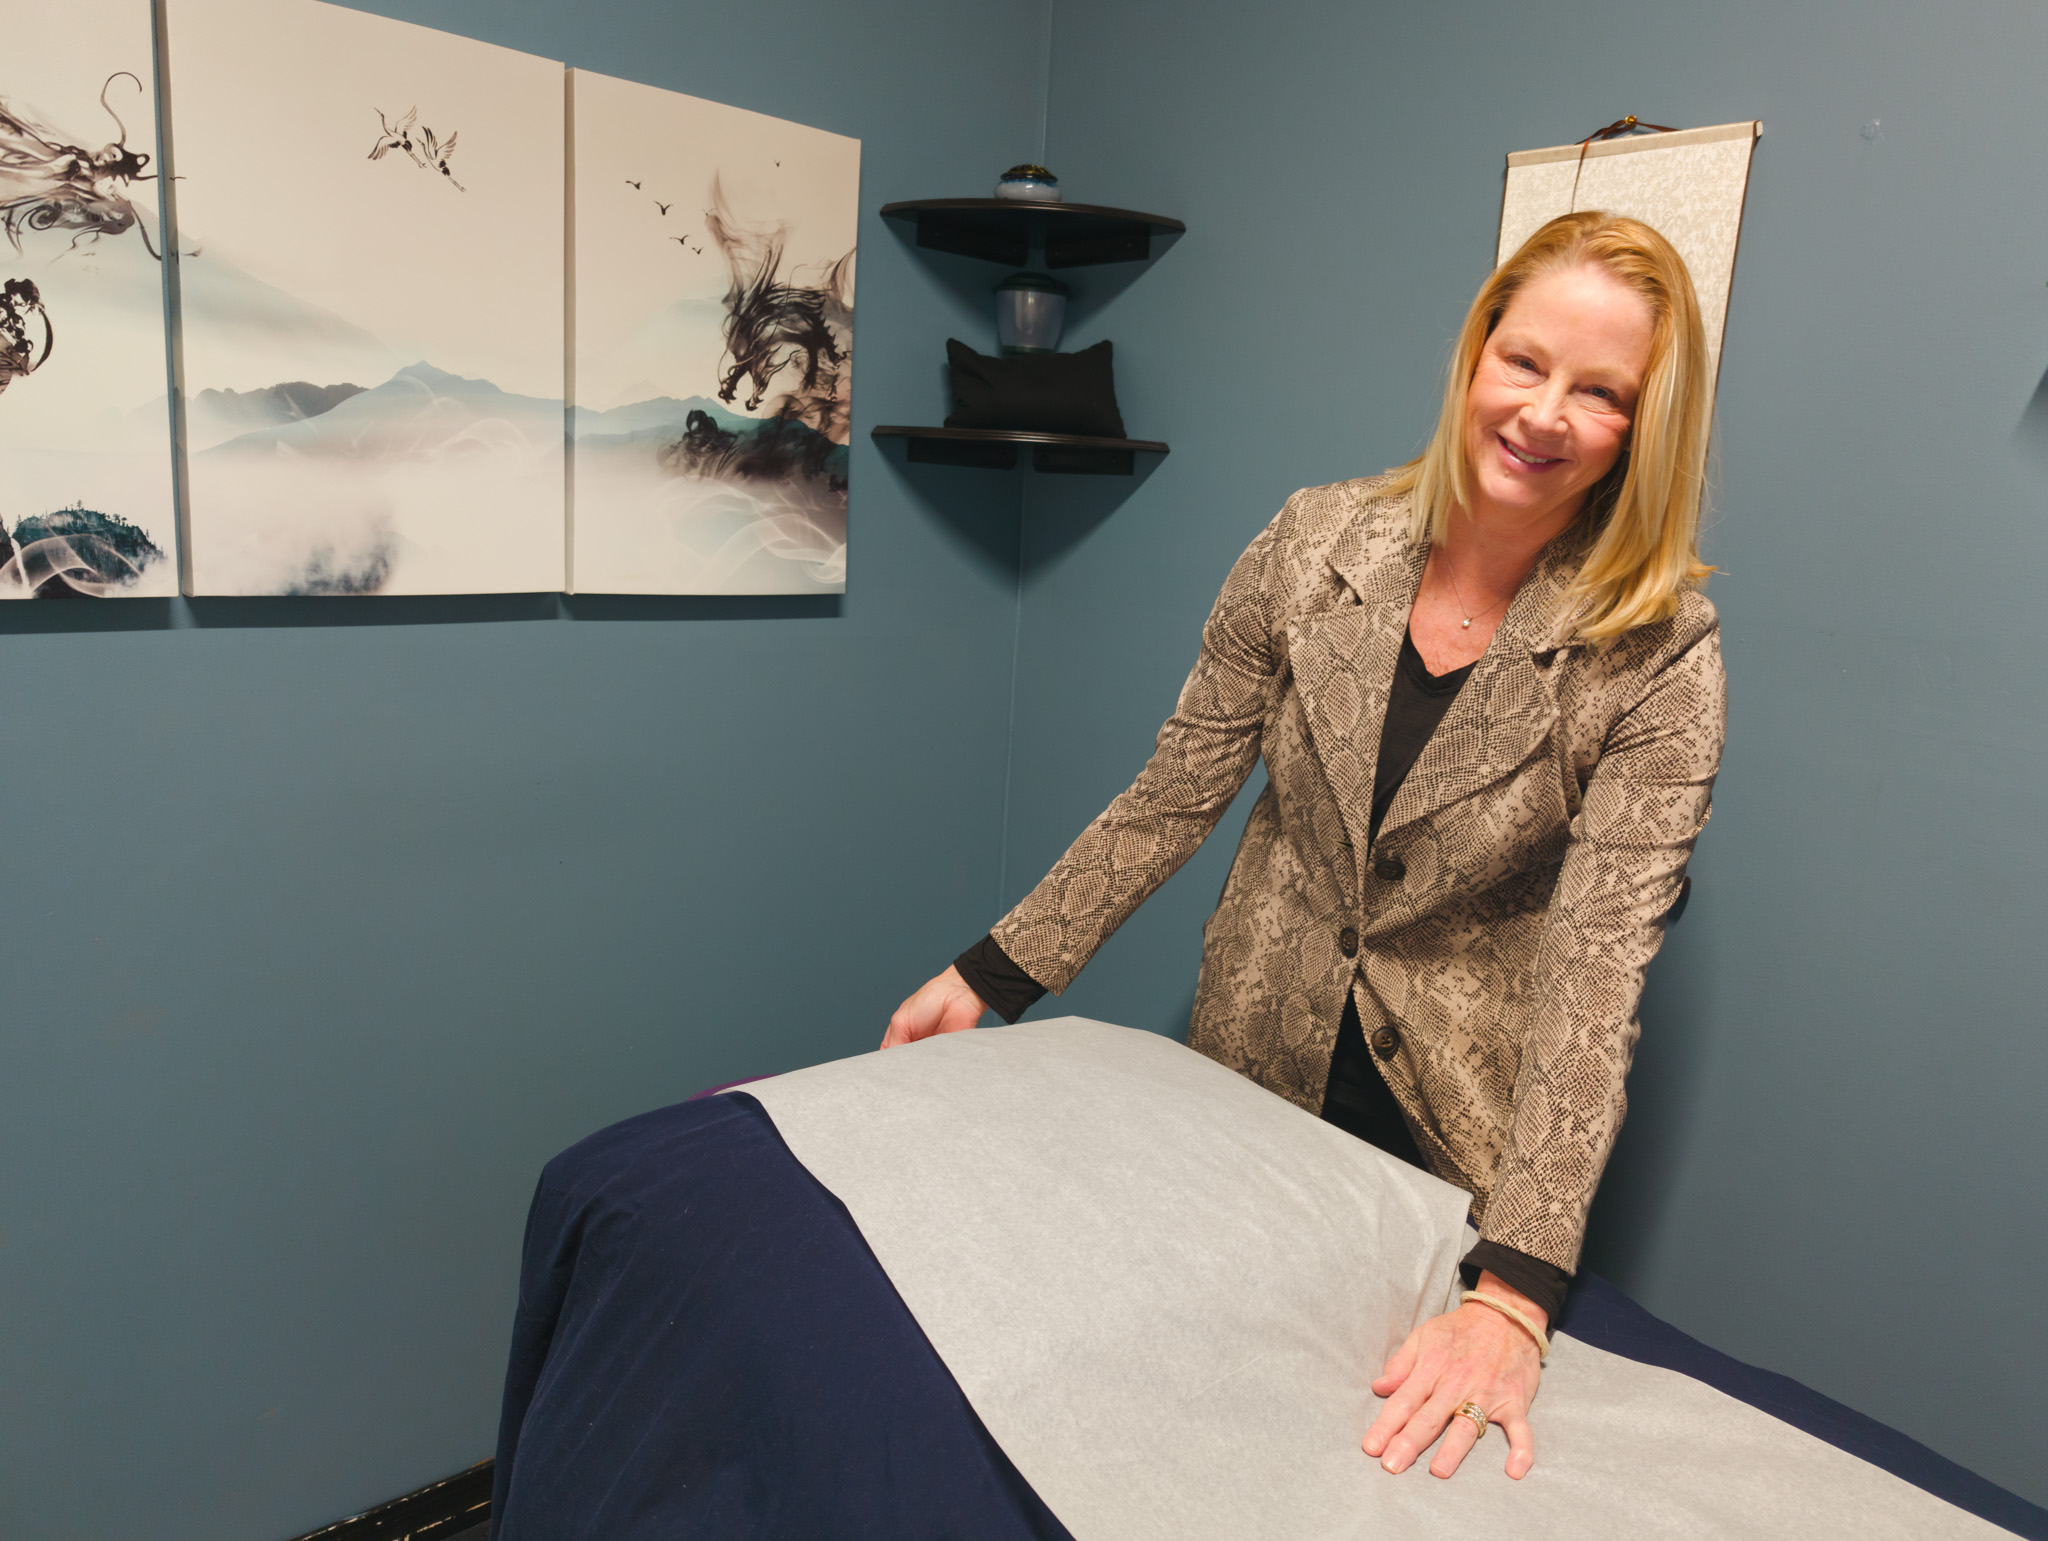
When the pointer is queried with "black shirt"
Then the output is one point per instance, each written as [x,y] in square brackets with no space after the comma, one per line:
[1357,1098]
[1415,706]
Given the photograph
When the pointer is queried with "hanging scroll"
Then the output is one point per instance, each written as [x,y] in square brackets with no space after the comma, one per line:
[1688,185]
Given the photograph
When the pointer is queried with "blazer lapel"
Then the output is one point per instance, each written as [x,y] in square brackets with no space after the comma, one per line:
[1507,707]
[1343,661]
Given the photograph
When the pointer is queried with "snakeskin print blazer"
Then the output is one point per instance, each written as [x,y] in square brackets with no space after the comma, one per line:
[1495,934]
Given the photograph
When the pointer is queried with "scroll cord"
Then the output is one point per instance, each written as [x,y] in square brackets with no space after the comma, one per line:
[1614,130]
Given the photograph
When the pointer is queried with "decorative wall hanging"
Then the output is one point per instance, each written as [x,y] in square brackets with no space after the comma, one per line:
[713,351]
[1688,184]
[370,227]
[85,449]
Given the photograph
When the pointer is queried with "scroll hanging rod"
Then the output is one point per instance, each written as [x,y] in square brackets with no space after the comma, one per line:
[1615,130]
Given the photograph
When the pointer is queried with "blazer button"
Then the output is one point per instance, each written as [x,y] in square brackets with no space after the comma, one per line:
[1347,942]
[1386,1040]
[1390,867]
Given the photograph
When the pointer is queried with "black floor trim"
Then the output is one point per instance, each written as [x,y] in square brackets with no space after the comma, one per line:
[436,1512]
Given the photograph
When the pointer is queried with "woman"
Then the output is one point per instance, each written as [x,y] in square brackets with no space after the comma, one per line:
[1490,700]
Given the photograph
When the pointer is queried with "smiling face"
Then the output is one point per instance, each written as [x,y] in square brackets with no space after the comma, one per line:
[1550,404]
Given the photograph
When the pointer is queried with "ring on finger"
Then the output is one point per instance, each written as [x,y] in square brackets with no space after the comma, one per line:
[1476,1413]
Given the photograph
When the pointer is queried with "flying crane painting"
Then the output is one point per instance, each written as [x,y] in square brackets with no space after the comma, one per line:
[86,504]
[372,292]
[424,149]
[714,345]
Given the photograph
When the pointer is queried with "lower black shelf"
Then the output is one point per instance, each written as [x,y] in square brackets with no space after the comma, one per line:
[995,449]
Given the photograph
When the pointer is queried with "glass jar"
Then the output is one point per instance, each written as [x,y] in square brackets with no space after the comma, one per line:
[1031,308]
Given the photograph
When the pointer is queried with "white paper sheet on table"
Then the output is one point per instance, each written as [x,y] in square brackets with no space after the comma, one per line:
[1165,1292]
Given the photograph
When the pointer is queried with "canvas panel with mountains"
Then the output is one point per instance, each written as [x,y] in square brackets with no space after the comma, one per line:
[714,256]
[370,233]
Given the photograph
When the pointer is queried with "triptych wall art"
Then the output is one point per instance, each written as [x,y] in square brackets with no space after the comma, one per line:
[448,318]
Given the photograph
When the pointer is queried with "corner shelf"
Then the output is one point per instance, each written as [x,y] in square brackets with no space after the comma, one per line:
[1004,229]
[995,449]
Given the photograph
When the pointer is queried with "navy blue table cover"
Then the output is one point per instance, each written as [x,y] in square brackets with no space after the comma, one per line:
[705,1347]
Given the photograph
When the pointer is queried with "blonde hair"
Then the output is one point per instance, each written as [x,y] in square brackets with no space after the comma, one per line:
[1643,515]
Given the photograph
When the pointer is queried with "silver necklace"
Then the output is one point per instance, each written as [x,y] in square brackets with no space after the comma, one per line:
[1470,615]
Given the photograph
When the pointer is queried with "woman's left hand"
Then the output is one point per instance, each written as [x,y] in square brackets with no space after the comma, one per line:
[1473,1354]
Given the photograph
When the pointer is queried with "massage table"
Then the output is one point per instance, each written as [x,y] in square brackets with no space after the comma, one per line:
[1071,1280]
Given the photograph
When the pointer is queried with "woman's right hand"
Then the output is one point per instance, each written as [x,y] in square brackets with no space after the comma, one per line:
[944,1005]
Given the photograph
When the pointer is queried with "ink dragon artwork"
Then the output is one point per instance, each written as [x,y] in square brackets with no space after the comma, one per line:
[47,183]
[780,328]
[51,184]
[421,146]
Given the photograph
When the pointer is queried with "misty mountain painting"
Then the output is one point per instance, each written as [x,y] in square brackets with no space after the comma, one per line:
[714,257]
[85,445]
[370,259]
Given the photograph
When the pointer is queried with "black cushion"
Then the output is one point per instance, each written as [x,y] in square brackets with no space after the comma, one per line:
[1041,392]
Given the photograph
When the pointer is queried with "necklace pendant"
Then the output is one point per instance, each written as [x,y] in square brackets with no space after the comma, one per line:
[1466,623]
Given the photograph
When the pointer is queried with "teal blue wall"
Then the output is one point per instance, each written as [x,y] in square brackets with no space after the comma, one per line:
[328,922]
[1836,1158]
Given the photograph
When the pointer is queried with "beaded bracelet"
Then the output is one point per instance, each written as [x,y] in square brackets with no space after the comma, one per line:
[1515,1316]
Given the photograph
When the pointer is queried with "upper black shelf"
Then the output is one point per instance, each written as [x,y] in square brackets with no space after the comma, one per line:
[995,449]
[1003,230]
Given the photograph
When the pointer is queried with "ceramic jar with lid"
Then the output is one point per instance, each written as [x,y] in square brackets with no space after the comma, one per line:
[1030,184]
[1031,308]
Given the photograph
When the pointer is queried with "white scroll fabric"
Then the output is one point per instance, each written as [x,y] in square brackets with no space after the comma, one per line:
[1688,185]
[1166,1293]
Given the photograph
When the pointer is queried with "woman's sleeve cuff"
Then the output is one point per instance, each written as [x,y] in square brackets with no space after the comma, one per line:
[1003,987]
[1544,1283]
